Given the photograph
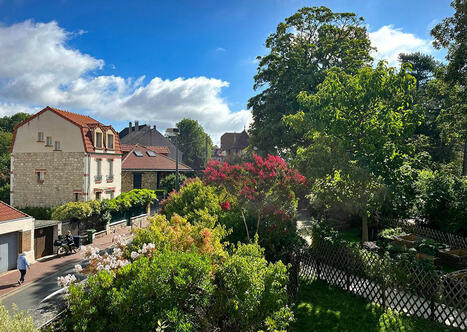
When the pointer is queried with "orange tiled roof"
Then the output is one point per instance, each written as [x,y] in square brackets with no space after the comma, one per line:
[86,123]
[10,213]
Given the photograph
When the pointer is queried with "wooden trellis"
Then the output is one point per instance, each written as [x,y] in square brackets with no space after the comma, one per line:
[393,284]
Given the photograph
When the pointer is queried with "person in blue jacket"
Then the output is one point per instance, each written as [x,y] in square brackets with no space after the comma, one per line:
[22,263]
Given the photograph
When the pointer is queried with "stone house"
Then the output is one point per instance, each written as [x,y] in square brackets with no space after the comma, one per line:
[16,236]
[143,167]
[59,156]
[147,136]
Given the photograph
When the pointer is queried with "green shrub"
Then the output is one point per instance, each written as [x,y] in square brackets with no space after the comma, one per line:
[193,200]
[168,182]
[18,322]
[39,213]
[178,234]
[73,211]
[251,293]
[174,287]
[441,200]
[134,200]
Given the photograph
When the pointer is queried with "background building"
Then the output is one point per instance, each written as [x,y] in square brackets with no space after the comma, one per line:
[147,136]
[16,236]
[59,156]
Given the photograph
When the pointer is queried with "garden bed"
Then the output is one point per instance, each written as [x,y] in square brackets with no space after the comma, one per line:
[454,257]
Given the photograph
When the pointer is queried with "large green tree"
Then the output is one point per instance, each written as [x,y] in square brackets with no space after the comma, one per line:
[451,33]
[193,142]
[356,128]
[301,50]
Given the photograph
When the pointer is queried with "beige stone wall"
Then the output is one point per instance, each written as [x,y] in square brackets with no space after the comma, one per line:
[148,180]
[51,125]
[127,181]
[64,174]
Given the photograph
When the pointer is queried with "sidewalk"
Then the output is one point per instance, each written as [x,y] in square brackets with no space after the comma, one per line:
[43,268]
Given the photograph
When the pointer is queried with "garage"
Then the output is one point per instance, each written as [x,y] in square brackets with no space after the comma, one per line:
[43,242]
[8,251]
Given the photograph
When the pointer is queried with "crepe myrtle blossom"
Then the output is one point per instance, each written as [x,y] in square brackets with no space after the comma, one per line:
[66,280]
[78,268]
[134,255]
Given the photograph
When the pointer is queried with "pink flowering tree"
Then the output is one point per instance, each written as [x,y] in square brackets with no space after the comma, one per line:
[264,186]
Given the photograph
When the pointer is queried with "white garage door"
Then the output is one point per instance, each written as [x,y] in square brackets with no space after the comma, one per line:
[8,251]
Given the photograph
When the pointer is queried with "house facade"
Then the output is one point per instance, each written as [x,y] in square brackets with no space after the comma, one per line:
[59,156]
[147,136]
[143,167]
[16,236]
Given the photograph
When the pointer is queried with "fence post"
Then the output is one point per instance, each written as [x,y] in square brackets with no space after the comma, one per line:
[318,270]
[383,293]
[347,280]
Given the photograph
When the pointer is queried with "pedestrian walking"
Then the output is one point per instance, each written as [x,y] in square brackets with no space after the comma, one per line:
[22,264]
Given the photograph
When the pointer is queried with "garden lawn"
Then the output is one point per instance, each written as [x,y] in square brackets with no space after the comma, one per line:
[321,307]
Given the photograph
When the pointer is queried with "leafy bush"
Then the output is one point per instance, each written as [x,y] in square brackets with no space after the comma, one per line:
[73,211]
[193,199]
[430,247]
[134,200]
[18,322]
[182,276]
[168,182]
[174,287]
[178,234]
[441,200]
[39,213]
[391,233]
[252,293]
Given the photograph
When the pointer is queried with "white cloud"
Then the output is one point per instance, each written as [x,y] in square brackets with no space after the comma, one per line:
[390,42]
[41,69]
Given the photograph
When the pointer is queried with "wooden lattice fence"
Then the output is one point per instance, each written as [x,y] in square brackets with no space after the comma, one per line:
[395,284]
[454,241]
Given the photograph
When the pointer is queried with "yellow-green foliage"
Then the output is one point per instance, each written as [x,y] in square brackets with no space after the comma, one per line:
[18,322]
[179,235]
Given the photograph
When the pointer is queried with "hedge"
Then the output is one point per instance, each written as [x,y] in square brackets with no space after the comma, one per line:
[126,202]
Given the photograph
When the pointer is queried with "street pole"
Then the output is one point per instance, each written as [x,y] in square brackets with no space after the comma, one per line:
[177,183]
[206,151]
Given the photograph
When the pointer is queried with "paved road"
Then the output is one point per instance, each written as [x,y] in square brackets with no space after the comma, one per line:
[31,295]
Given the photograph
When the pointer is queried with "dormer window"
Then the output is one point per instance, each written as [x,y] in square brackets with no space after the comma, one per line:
[49,141]
[98,140]
[110,141]
[57,146]
[40,136]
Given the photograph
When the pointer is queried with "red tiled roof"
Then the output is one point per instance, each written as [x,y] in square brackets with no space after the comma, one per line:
[10,213]
[157,163]
[79,119]
[86,124]
[159,149]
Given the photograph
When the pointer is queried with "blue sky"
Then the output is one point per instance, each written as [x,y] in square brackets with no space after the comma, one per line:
[160,61]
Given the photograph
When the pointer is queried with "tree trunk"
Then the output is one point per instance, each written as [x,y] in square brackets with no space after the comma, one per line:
[365,227]
[464,164]
[246,227]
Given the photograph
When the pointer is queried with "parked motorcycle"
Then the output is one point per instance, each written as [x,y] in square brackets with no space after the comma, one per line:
[63,247]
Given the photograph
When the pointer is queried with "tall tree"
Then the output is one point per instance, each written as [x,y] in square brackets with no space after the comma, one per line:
[357,127]
[422,66]
[451,33]
[302,49]
[193,141]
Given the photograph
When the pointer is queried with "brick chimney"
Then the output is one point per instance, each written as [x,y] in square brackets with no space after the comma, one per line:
[136,125]
[129,128]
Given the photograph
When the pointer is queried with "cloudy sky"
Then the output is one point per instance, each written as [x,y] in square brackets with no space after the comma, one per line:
[161,61]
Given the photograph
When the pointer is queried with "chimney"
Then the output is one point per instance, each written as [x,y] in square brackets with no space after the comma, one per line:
[136,125]
[129,127]
[154,127]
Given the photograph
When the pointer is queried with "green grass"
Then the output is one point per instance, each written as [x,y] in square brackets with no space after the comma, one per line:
[351,234]
[321,307]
